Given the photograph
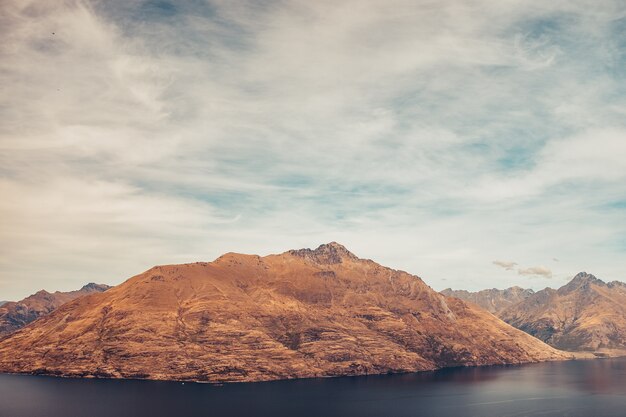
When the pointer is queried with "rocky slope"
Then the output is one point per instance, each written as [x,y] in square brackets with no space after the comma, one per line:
[586,314]
[303,313]
[493,300]
[15,315]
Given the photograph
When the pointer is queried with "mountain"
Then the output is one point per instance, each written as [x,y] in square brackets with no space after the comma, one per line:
[587,314]
[493,300]
[3,303]
[302,313]
[15,315]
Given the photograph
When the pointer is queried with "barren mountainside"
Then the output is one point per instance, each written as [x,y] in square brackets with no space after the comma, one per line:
[492,300]
[586,314]
[15,315]
[303,313]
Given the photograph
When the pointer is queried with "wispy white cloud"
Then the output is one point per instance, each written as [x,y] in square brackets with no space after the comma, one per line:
[507,265]
[536,271]
[428,136]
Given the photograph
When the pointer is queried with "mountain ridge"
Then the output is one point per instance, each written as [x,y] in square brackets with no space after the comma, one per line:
[493,299]
[585,314]
[302,313]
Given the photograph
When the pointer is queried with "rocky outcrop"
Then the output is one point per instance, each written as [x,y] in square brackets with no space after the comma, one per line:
[15,315]
[493,300]
[304,313]
[585,314]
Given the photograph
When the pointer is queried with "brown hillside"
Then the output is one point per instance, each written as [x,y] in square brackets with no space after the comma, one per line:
[304,313]
[586,314]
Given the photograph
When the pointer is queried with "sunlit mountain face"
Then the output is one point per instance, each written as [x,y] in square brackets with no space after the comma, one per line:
[244,318]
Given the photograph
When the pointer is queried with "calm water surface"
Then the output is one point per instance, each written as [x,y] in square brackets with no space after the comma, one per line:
[592,388]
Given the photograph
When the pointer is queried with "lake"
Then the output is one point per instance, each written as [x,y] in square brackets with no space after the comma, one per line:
[576,388]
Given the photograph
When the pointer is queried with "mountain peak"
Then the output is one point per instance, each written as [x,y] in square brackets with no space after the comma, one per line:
[327,253]
[93,287]
[582,280]
[583,276]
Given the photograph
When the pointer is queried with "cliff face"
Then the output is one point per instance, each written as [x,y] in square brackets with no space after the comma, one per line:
[304,313]
[493,300]
[586,314]
[15,315]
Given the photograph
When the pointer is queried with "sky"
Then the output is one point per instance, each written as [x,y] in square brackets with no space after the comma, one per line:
[475,143]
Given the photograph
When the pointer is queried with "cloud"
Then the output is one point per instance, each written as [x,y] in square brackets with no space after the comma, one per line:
[508,265]
[141,134]
[536,271]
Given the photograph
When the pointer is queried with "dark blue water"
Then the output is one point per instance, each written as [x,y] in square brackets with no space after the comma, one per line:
[593,388]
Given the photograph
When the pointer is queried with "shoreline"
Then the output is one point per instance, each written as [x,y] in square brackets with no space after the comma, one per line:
[573,357]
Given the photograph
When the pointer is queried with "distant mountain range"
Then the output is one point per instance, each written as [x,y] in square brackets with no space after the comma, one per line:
[493,300]
[302,313]
[587,314]
[15,315]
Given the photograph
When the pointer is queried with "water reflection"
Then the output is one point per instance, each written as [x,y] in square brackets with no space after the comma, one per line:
[599,376]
